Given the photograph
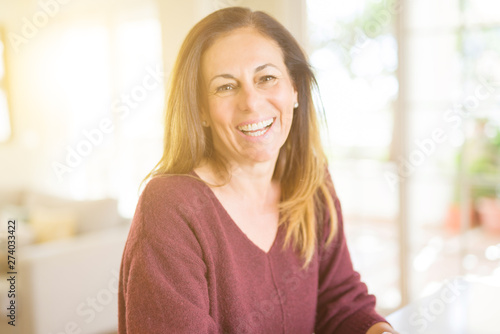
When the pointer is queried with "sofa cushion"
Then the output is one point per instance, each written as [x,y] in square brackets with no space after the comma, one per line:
[90,215]
[50,224]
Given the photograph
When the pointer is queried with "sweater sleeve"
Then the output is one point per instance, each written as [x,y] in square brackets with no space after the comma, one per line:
[163,287]
[344,305]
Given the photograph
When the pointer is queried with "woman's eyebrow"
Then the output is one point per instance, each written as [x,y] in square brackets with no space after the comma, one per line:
[226,76]
[230,76]
[261,67]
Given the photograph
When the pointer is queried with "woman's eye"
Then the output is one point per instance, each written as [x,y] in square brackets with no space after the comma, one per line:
[224,88]
[268,78]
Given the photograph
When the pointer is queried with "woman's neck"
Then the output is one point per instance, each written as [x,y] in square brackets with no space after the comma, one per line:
[251,183]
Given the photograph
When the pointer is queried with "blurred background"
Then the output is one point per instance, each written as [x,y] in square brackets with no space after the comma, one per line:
[411,94]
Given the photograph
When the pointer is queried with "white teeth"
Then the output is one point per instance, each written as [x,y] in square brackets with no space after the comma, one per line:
[255,134]
[256,126]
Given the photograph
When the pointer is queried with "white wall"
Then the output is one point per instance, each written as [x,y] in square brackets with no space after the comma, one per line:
[15,158]
[39,109]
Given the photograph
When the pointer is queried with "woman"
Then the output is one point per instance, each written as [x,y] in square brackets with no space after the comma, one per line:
[239,229]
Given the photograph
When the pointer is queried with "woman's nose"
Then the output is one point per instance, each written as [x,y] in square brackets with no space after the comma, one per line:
[249,98]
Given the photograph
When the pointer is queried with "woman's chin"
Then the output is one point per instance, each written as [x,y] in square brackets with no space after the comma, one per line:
[260,157]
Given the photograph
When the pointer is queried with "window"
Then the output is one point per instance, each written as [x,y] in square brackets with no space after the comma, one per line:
[5,122]
[354,55]
[426,73]
[109,72]
[454,71]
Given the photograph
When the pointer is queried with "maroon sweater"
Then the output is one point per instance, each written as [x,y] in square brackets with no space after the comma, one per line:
[188,268]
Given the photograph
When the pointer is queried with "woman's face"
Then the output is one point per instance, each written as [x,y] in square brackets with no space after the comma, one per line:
[250,96]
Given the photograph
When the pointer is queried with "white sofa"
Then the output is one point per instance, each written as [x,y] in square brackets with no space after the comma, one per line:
[67,285]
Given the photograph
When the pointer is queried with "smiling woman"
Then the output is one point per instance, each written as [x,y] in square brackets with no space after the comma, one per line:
[250,97]
[239,229]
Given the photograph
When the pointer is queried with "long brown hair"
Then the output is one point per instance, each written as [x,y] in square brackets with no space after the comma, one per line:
[301,165]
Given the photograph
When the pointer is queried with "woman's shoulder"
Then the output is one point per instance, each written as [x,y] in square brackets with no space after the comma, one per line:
[174,189]
[167,219]
[329,184]
[169,206]
[173,197]
[329,220]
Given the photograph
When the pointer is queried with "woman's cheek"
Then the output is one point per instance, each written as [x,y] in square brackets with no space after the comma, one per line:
[218,111]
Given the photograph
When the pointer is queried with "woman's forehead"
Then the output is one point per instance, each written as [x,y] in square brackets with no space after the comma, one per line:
[243,47]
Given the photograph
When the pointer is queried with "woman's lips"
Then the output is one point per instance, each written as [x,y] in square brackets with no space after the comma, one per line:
[256,129]
[255,125]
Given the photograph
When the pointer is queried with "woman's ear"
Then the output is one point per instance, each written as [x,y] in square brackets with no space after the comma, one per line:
[295,91]
[204,118]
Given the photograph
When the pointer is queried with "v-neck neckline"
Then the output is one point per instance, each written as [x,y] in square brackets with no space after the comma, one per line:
[233,223]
